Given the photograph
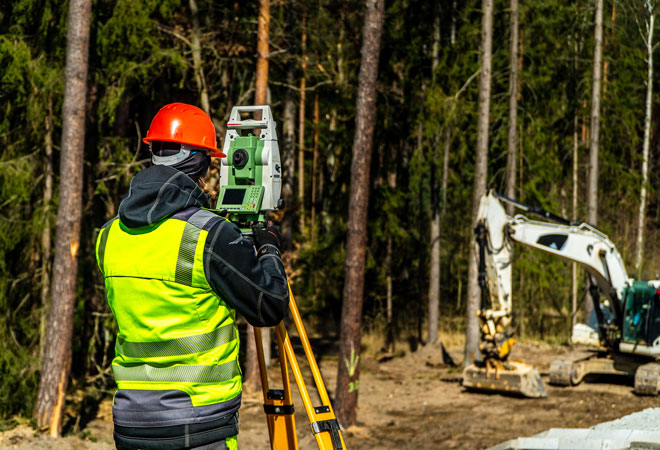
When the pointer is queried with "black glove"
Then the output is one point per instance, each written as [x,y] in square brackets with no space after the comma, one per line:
[267,239]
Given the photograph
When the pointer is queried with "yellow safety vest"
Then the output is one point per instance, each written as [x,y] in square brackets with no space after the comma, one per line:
[175,332]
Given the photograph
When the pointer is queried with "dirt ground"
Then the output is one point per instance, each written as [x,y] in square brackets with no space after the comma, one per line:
[410,402]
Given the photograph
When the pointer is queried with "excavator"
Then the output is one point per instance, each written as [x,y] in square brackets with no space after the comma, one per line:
[623,337]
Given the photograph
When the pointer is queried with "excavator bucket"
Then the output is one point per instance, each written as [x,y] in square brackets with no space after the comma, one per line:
[512,377]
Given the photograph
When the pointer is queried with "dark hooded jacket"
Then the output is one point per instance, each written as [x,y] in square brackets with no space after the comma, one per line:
[255,287]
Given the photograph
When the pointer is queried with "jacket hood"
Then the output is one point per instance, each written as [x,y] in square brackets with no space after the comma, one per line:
[158,192]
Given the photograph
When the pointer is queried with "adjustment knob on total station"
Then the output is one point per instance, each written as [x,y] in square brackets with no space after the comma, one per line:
[240,158]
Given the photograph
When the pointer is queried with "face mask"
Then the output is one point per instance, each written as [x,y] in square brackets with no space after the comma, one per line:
[196,165]
[189,160]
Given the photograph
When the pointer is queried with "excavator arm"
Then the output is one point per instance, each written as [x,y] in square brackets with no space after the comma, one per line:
[580,243]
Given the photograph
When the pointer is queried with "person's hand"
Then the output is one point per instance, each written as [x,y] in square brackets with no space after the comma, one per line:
[266,236]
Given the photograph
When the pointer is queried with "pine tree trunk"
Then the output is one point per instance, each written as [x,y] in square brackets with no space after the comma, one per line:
[315,158]
[592,182]
[574,279]
[289,133]
[46,232]
[647,140]
[521,135]
[263,54]
[301,129]
[574,275]
[513,107]
[196,48]
[56,365]
[481,172]
[434,272]
[445,172]
[289,160]
[452,29]
[341,73]
[351,315]
[434,260]
[607,44]
[252,378]
[389,332]
[439,221]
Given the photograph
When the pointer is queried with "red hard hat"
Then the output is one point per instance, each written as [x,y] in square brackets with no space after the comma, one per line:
[186,124]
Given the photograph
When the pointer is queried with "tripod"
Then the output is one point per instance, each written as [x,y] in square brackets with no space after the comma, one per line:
[278,404]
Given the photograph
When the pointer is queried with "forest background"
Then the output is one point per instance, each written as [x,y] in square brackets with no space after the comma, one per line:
[142,56]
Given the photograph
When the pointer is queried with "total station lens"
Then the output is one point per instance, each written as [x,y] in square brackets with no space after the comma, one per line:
[240,158]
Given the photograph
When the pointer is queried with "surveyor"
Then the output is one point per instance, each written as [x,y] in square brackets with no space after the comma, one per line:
[175,275]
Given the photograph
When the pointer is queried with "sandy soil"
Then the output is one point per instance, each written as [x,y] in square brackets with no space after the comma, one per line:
[411,402]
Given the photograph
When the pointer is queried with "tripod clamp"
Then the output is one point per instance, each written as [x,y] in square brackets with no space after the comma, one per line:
[281,409]
[331,426]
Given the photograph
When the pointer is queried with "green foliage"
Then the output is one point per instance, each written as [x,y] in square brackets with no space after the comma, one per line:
[30,89]
[140,59]
[130,50]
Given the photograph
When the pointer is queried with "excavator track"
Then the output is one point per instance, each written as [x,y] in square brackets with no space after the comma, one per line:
[561,371]
[571,370]
[647,379]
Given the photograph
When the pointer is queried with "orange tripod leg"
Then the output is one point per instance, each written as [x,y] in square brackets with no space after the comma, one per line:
[322,418]
[278,404]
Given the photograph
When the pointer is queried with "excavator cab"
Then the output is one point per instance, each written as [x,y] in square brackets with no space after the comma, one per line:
[641,318]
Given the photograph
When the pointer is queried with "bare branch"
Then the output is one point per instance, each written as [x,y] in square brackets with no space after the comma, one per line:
[297,89]
[176,34]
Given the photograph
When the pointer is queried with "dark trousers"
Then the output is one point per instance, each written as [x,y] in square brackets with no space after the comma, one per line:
[209,435]
[214,446]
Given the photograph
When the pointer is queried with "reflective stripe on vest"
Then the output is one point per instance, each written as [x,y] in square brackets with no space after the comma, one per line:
[186,259]
[103,239]
[177,374]
[174,347]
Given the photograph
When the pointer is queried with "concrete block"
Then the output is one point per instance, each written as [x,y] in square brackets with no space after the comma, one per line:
[533,443]
[645,436]
[638,431]
[614,444]
[567,433]
[618,435]
[582,444]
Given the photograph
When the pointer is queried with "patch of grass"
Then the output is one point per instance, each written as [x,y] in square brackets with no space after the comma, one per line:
[452,339]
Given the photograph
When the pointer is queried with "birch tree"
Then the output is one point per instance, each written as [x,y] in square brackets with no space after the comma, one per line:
[56,365]
[356,238]
[647,136]
[480,174]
